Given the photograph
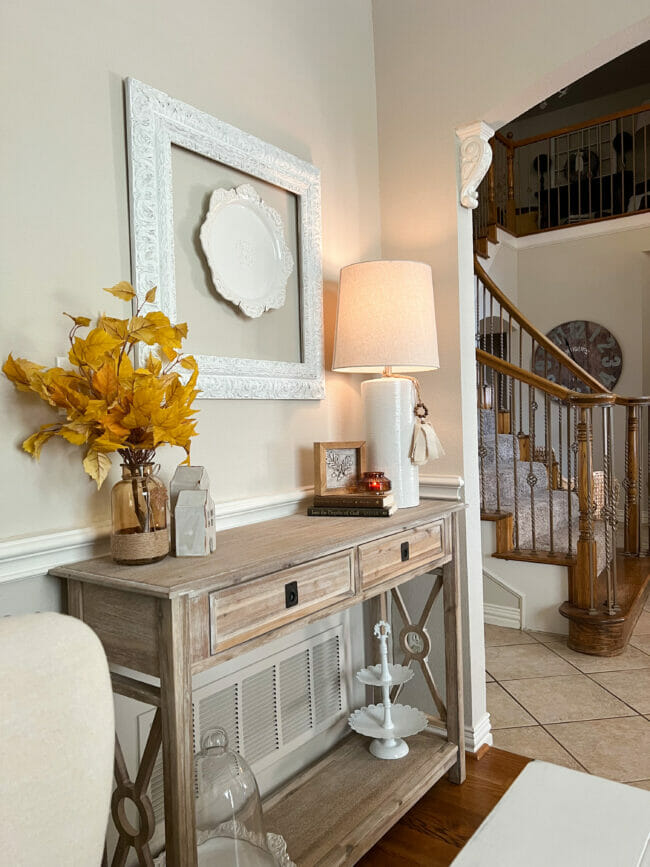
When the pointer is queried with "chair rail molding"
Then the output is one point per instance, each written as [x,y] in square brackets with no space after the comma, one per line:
[29,556]
[441,487]
[475,159]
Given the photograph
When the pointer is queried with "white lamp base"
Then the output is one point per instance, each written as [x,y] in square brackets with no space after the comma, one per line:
[388,412]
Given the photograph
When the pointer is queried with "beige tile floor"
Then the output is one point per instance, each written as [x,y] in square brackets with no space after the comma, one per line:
[583,712]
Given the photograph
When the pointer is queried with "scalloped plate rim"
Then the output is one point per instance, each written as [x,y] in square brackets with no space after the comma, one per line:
[402,671]
[246,194]
[378,731]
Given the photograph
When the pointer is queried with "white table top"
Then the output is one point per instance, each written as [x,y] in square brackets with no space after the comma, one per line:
[555,817]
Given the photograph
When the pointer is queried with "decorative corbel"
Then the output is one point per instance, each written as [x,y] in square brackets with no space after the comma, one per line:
[475,159]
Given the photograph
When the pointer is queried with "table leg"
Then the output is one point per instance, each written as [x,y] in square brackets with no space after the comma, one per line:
[176,708]
[74,601]
[453,655]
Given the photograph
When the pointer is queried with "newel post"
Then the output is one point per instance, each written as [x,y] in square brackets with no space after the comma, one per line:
[511,213]
[584,572]
[492,199]
[631,484]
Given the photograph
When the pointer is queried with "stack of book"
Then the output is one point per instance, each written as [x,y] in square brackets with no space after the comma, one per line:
[353,505]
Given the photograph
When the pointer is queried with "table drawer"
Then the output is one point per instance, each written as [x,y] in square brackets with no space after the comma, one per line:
[396,555]
[243,612]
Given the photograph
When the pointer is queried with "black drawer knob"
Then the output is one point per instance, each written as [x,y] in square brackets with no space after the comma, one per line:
[291,594]
[405,551]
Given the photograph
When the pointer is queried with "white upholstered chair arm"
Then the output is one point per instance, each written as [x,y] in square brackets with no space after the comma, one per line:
[56,742]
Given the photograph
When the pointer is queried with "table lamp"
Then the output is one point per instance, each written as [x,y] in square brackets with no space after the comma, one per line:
[386,323]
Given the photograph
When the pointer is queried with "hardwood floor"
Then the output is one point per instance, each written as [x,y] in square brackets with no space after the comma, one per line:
[433,832]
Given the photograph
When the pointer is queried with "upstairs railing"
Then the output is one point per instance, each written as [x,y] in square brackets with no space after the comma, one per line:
[559,478]
[578,174]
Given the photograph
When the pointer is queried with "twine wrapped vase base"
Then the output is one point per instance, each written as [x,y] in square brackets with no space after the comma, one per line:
[135,548]
[139,514]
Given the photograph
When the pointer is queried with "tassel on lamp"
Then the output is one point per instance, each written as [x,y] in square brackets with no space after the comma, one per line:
[386,324]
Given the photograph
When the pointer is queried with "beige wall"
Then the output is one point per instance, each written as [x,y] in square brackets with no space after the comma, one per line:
[297,74]
[603,279]
[502,265]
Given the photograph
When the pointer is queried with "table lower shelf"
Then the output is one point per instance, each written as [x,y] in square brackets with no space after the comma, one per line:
[337,809]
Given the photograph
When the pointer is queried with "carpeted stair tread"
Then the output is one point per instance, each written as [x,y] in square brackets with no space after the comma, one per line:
[503,460]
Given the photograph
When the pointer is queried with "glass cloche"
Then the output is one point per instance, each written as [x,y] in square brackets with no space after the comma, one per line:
[229,823]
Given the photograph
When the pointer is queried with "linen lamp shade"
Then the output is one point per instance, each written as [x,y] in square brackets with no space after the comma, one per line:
[386,323]
[385,318]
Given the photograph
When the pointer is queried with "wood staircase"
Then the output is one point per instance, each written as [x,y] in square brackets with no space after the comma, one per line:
[549,472]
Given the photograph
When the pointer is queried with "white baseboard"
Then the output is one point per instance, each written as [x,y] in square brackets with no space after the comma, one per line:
[480,735]
[33,555]
[502,615]
[475,736]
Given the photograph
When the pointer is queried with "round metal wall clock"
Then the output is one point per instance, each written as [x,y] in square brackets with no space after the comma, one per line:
[590,345]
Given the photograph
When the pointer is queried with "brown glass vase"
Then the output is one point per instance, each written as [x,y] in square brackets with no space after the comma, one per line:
[139,515]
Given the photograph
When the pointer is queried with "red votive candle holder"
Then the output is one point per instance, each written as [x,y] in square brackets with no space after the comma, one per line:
[374,483]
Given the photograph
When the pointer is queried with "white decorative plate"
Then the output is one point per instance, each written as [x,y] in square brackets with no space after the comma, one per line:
[243,240]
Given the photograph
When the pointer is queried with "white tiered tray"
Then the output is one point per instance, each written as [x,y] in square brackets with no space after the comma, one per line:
[387,723]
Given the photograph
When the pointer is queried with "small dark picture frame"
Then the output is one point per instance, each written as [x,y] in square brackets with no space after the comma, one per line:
[338,467]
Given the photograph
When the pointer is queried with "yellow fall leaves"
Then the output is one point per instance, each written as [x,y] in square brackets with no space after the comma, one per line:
[110,405]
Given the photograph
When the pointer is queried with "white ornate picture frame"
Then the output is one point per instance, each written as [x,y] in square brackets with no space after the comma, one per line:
[155,122]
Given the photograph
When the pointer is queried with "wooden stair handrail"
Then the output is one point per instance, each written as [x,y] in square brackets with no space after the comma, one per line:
[535,381]
[543,341]
[564,130]
[539,338]
[622,400]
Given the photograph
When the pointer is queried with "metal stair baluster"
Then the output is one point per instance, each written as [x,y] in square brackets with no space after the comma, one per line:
[482,451]
[515,461]
[549,462]
[532,478]
[639,476]
[626,508]
[495,412]
[646,493]
[520,432]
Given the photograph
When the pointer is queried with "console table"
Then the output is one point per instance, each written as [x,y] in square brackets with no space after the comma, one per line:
[178,617]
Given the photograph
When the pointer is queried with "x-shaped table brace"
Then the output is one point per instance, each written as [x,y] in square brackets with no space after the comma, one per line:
[416,644]
[137,793]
